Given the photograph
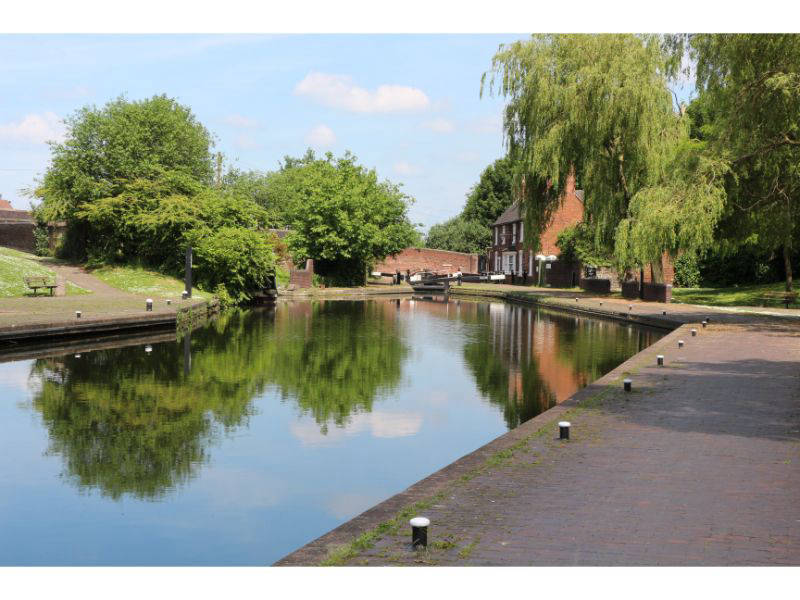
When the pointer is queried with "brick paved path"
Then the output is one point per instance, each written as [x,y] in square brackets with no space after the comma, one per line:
[699,465]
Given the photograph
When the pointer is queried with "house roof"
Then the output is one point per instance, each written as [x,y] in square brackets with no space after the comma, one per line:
[511,214]
[514,212]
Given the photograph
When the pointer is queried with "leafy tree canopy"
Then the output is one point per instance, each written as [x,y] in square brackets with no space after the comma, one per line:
[341,215]
[124,140]
[491,195]
[459,235]
[749,86]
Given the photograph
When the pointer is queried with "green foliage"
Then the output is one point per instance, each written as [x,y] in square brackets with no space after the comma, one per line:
[342,216]
[596,103]
[752,81]
[687,270]
[459,235]
[125,140]
[576,243]
[491,195]
[261,188]
[237,259]
[41,240]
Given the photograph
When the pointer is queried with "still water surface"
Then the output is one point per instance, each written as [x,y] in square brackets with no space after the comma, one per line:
[267,428]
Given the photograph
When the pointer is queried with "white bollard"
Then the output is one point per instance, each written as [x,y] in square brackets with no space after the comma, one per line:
[627,383]
[148,305]
[563,430]
[148,348]
[660,360]
[419,532]
[694,332]
[77,314]
[680,343]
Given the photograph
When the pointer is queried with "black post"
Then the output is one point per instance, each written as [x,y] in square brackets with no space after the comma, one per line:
[187,352]
[188,273]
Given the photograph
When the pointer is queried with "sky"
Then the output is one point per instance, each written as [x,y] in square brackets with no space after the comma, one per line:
[407,105]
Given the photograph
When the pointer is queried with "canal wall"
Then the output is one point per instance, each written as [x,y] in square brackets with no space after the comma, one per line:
[106,325]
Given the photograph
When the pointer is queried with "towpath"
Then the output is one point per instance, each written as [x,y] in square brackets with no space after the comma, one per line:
[698,465]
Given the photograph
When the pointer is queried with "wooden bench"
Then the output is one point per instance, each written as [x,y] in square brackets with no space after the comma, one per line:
[40,281]
[786,298]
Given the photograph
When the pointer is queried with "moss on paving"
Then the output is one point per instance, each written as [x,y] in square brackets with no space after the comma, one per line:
[136,280]
[14,267]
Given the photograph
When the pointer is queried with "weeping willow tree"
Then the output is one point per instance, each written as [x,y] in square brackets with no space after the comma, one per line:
[599,105]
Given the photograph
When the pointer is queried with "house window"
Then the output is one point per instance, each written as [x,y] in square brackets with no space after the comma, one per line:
[510,263]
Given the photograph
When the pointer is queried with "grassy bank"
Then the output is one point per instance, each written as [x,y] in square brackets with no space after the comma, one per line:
[746,295]
[139,281]
[14,267]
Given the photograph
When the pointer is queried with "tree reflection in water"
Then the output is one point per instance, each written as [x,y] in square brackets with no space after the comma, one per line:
[126,421]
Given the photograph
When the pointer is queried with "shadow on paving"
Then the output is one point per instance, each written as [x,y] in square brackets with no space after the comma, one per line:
[751,398]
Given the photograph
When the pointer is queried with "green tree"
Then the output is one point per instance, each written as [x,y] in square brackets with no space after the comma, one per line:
[342,216]
[752,81]
[259,187]
[124,140]
[459,235]
[598,104]
[491,195]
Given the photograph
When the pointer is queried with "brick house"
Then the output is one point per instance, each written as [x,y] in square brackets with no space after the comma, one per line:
[508,253]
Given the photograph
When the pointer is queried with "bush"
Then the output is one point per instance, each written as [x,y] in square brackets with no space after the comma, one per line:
[41,241]
[239,260]
[687,271]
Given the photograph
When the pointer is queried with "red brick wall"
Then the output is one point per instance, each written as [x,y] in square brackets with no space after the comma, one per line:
[17,235]
[669,270]
[569,213]
[302,278]
[418,259]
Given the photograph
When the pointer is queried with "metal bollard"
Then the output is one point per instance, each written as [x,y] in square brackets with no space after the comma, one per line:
[184,295]
[77,314]
[601,303]
[630,307]
[664,313]
[563,430]
[148,348]
[576,299]
[77,356]
[694,332]
[703,323]
[419,532]
[169,301]
[680,343]
[627,384]
[148,304]
[660,360]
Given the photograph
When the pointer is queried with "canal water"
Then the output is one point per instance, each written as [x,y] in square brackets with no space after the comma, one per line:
[267,428]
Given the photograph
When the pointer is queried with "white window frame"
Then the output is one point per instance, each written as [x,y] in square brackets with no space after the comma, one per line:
[521,230]
[513,233]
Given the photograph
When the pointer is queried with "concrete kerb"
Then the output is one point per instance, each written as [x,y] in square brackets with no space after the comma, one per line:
[342,543]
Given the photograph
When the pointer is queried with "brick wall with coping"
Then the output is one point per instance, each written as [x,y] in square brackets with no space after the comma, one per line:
[419,259]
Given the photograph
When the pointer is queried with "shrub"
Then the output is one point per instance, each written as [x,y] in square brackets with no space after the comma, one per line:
[41,241]
[687,270]
[239,260]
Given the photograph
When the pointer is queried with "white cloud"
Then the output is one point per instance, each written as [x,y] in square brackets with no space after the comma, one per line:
[440,125]
[321,136]
[488,124]
[246,141]
[379,424]
[241,122]
[402,167]
[339,91]
[34,129]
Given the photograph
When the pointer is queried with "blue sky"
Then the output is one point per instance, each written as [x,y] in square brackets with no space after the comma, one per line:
[407,105]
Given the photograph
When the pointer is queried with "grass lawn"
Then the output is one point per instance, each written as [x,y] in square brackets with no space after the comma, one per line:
[746,295]
[14,266]
[136,280]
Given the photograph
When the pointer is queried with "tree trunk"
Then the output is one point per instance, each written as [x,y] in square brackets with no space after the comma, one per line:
[657,268]
[787,263]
